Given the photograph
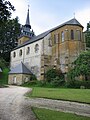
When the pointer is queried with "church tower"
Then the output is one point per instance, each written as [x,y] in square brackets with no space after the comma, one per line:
[26,31]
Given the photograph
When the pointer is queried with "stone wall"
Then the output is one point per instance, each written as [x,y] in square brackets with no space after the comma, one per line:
[20,78]
[46,55]
[52,52]
[66,51]
[32,60]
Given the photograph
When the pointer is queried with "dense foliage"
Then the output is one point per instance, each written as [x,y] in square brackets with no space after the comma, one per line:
[9,33]
[3,63]
[82,65]
[87,35]
[4,73]
[5,11]
[9,29]
[55,77]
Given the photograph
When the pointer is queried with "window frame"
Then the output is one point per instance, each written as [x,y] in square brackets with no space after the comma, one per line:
[36,48]
[79,34]
[20,52]
[72,34]
[62,36]
[27,50]
[14,54]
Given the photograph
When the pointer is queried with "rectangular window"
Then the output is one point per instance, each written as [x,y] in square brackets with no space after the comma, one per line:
[62,36]
[56,38]
[72,34]
[79,34]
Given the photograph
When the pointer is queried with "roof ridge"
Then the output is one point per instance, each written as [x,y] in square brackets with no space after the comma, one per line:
[73,21]
[20,68]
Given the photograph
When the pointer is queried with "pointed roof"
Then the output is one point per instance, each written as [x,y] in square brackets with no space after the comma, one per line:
[27,20]
[42,35]
[70,22]
[73,22]
[20,69]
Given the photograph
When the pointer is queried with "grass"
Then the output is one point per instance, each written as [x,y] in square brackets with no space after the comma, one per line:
[78,95]
[45,114]
[4,77]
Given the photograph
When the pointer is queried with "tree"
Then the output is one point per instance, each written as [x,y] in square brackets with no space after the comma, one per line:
[7,28]
[5,11]
[82,65]
[87,35]
[9,33]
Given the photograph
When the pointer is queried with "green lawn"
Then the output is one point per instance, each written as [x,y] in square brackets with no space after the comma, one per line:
[44,114]
[4,77]
[79,95]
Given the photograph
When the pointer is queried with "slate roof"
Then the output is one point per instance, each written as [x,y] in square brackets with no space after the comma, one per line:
[36,38]
[70,22]
[0,70]
[27,19]
[20,69]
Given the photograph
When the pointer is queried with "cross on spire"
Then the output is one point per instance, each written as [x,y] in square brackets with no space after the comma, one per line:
[27,19]
[28,7]
[74,14]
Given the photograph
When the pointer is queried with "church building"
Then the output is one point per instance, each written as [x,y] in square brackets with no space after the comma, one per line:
[56,48]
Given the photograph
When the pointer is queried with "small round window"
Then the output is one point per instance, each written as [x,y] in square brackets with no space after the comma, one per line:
[20,53]
[14,54]
[36,48]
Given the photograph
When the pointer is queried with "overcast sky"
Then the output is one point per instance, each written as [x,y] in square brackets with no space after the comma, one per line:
[46,14]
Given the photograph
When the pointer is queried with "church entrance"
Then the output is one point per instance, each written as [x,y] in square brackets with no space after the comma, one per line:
[14,80]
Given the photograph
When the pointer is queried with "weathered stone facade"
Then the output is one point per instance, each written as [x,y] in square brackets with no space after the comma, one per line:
[57,47]
[18,79]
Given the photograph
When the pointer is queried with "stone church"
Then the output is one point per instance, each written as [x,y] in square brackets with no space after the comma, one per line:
[55,48]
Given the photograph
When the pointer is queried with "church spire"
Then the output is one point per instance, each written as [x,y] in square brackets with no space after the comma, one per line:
[26,30]
[28,20]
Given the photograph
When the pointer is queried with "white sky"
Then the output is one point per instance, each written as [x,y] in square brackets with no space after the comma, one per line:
[46,14]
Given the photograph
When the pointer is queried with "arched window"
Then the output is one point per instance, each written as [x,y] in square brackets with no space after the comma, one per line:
[14,54]
[62,35]
[55,39]
[20,53]
[79,34]
[72,34]
[28,50]
[36,48]
[49,42]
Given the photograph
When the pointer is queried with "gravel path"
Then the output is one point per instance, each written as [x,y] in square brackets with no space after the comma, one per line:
[65,106]
[13,105]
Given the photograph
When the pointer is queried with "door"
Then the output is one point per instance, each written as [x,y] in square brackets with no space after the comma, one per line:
[14,80]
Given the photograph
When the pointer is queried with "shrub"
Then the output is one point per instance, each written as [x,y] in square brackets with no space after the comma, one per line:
[52,74]
[3,63]
[56,82]
[4,77]
[77,84]
[54,77]
[33,77]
